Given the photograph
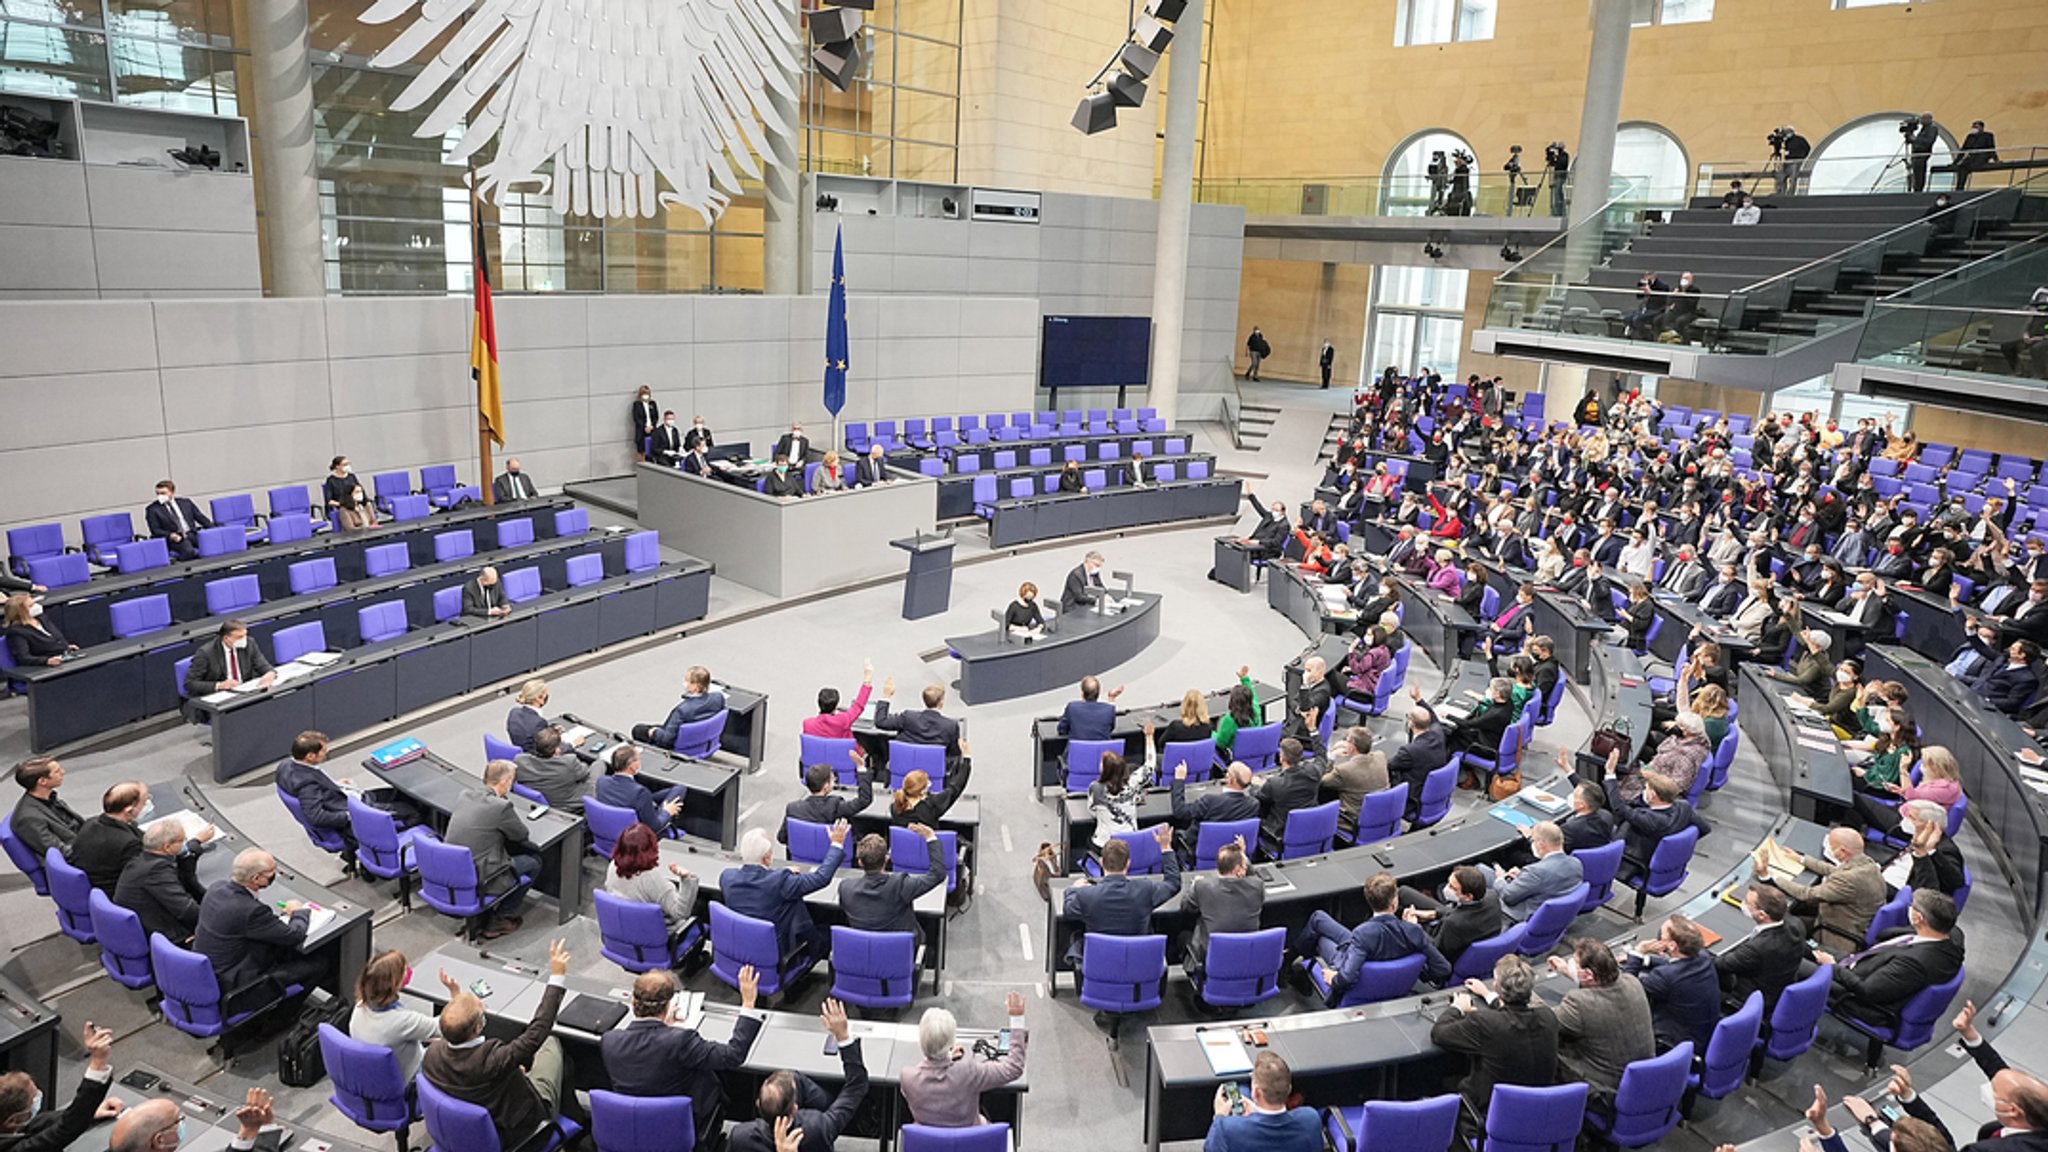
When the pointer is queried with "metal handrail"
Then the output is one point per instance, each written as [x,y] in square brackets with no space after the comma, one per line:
[1917,222]
[1972,308]
[1954,275]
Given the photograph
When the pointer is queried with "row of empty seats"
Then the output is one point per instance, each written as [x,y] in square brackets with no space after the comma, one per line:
[942,432]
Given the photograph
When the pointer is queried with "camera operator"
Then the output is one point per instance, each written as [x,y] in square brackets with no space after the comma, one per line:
[1652,293]
[1459,202]
[1980,147]
[1439,182]
[1789,151]
[1921,136]
[1559,163]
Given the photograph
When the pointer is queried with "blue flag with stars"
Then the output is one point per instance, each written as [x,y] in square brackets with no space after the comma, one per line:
[835,330]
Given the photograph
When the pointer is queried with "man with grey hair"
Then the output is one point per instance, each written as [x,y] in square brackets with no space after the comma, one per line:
[1481,730]
[158,1126]
[1084,584]
[777,895]
[1931,860]
[161,885]
[1554,873]
[1233,801]
[1425,752]
[249,941]
[488,824]
[1850,891]
[944,1089]
[1510,1037]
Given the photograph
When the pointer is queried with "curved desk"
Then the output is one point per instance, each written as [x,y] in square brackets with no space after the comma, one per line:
[1299,597]
[1049,746]
[997,666]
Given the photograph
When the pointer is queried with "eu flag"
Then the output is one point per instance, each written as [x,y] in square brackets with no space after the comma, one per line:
[835,330]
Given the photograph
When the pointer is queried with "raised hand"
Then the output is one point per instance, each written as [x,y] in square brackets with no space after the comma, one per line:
[788,1137]
[449,983]
[99,1042]
[1966,1023]
[1817,1113]
[750,985]
[833,1017]
[1901,1084]
[923,832]
[254,1114]
[838,833]
[558,958]
[1013,1003]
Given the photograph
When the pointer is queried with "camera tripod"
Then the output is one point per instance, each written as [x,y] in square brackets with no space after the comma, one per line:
[1898,157]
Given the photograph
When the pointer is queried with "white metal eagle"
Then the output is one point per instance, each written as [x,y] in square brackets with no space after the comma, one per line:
[613,91]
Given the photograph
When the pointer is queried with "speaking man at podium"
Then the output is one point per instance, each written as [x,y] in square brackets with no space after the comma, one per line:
[1084,584]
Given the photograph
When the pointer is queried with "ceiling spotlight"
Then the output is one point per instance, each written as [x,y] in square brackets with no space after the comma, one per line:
[1096,113]
[1138,60]
[1127,90]
[832,25]
[1167,10]
[838,63]
[1151,34]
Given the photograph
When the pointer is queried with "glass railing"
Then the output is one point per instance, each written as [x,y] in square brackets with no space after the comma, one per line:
[1965,322]
[1832,175]
[1494,194]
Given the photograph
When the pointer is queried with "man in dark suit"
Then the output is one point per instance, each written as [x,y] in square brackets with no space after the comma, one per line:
[1769,960]
[697,461]
[106,843]
[1425,752]
[700,702]
[1511,1037]
[1724,595]
[242,936]
[920,726]
[1470,911]
[1590,825]
[1084,584]
[1979,147]
[872,468]
[652,1057]
[822,803]
[1270,536]
[1309,704]
[227,661]
[1481,729]
[41,819]
[1223,805]
[667,441]
[1138,473]
[1232,900]
[1875,983]
[483,598]
[1090,717]
[879,900]
[1661,811]
[777,895]
[489,826]
[518,1081]
[161,885]
[176,520]
[513,486]
[621,788]
[323,801]
[24,1128]
[1341,951]
[1677,975]
[1296,785]
[2019,1101]
[793,1102]
[699,437]
[1119,904]
[794,446]
[2010,685]
[646,418]
[558,775]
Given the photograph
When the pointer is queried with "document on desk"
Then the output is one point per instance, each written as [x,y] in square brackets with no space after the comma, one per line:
[1779,858]
[1512,816]
[320,918]
[577,735]
[1549,802]
[1225,1052]
[319,659]
[191,822]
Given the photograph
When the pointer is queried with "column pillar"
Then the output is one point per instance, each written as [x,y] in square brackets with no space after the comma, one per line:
[1176,199]
[286,158]
[782,226]
[1600,115]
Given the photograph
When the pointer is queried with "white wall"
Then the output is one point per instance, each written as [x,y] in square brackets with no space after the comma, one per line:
[106,397]
[71,230]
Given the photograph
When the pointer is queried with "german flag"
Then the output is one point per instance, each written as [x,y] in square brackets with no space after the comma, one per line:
[483,339]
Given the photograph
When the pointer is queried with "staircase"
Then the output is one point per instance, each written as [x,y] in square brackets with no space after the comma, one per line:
[1254,422]
[1331,437]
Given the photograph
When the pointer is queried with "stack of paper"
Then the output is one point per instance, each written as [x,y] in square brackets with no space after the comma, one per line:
[1225,1052]
[319,659]
[577,735]
[1779,858]
[320,918]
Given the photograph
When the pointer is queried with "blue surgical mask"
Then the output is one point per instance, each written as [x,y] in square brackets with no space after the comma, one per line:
[148,806]
[35,1107]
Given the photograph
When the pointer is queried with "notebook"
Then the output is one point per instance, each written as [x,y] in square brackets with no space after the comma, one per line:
[320,918]
[577,734]
[398,752]
[1513,817]
[1225,1052]
[590,1013]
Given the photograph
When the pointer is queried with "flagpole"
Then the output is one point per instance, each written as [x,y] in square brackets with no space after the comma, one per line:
[477,266]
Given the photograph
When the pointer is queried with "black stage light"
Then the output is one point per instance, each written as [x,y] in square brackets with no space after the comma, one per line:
[1127,90]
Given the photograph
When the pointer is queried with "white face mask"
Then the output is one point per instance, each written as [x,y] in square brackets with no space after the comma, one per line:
[1984,1093]
[35,610]
[1571,970]
[163,498]
[668,423]
[35,1106]
[1908,826]
[1884,722]
[1845,677]
[238,645]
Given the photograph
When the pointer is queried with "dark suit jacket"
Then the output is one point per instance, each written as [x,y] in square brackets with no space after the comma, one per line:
[44,824]
[1221,904]
[1463,925]
[319,797]
[920,726]
[827,809]
[240,934]
[1644,827]
[1767,962]
[866,471]
[1592,830]
[667,443]
[1070,480]
[788,482]
[1083,587]
[559,778]
[777,895]
[164,893]
[881,901]
[1284,792]
[1721,599]
[490,827]
[162,523]
[102,848]
[821,1120]
[510,487]
[648,1058]
[627,792]
[55,1131]
[491,1074]
[1414,761]
[688,710]
[1482,730]
[1685,997]
[1120,905]
[1878,983]
[35,645]
[1271,534]
[788,447]
[2009,689]
[478,600]
[521,725]
[697,465]
[1088,720]
[1507,1046]
[693,436]
[646,418]
[1942,871]
[210,666]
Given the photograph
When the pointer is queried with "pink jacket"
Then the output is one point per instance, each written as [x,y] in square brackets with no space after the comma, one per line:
[1447,579]
[838,725]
